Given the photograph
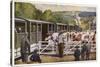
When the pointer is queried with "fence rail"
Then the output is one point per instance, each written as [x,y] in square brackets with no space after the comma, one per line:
[45,48]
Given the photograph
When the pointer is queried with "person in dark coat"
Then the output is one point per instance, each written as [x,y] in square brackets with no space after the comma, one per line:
[60,44]
[35,57]
[88,51]
[83,51]
[77,53]
[25,48]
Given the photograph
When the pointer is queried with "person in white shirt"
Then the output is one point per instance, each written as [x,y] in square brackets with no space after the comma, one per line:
[49,39]
[55,40]
[55,37]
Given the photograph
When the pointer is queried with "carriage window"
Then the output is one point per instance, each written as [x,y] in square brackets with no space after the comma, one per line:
[33,28]
[58,27]
[39,27]
[20,27]
[50,27]
[53,27]
[62,27]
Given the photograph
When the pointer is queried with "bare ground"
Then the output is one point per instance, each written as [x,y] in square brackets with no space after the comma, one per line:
[50,59]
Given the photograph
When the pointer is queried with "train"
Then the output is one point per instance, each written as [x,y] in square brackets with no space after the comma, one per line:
[37,30]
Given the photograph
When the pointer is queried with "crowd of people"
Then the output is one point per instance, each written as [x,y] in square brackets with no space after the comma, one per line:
[25,51]
[60,39]
[84,52]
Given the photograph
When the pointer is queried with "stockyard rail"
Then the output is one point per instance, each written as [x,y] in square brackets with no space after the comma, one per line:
[37,31]
[43,48]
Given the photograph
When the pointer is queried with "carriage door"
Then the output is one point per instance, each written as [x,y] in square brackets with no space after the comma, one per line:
[19,32]
[50,28]
[20,29]
[39,32]
[33,34]
[28,30]
[58,28]
[44,31]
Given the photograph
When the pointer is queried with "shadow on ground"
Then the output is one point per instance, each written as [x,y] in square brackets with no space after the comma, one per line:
[50,59]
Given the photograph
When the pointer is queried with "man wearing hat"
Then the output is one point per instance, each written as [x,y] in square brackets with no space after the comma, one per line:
[83,50]
[35,56]
[25,48]
[77,53]
[60,44]
[88,51]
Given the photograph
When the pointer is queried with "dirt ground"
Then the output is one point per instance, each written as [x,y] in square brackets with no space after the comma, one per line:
[49,59]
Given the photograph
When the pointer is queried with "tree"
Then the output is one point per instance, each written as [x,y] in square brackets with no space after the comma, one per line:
[38,14]
[57,18]
[18,11]
[84,23]
[47,15]
[25,10]
[29,11]
[69,20]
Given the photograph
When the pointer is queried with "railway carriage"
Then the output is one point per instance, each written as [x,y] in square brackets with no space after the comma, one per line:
[37,30]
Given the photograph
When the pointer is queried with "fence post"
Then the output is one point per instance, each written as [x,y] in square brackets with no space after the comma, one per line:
[39,45]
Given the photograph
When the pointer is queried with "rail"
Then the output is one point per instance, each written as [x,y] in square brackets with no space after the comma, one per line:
[45,48]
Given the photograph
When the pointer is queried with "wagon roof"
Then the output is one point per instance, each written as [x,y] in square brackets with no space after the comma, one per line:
[18,19]
[34,21]
[39,21]
[61,24]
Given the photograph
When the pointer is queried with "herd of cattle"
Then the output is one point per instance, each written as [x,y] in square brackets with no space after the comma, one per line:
[72,36]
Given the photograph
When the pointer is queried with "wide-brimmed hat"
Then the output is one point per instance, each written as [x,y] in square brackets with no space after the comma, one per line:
[76,46]
[35,51]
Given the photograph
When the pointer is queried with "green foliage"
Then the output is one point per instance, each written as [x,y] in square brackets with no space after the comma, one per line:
[64,17]
[85,23]
[28,10]
[47,15]
[58,18]
[25,10]
[38,14]
[69,20]
[18,11]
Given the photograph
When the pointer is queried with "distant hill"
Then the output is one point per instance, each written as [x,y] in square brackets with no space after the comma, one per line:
[87,14]
[81,14]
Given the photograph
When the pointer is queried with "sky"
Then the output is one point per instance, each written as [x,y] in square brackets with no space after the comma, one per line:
[61,7]
[54,7]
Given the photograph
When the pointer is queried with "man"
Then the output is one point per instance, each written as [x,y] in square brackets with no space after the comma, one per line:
[49,39]
[55,40]
[88,51]
[25,48]
[83,50]
[35,56]
[77,53]
[55,36]
[60,44]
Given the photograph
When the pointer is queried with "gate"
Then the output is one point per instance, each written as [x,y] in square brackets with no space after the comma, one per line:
[45,48]
[70,47]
